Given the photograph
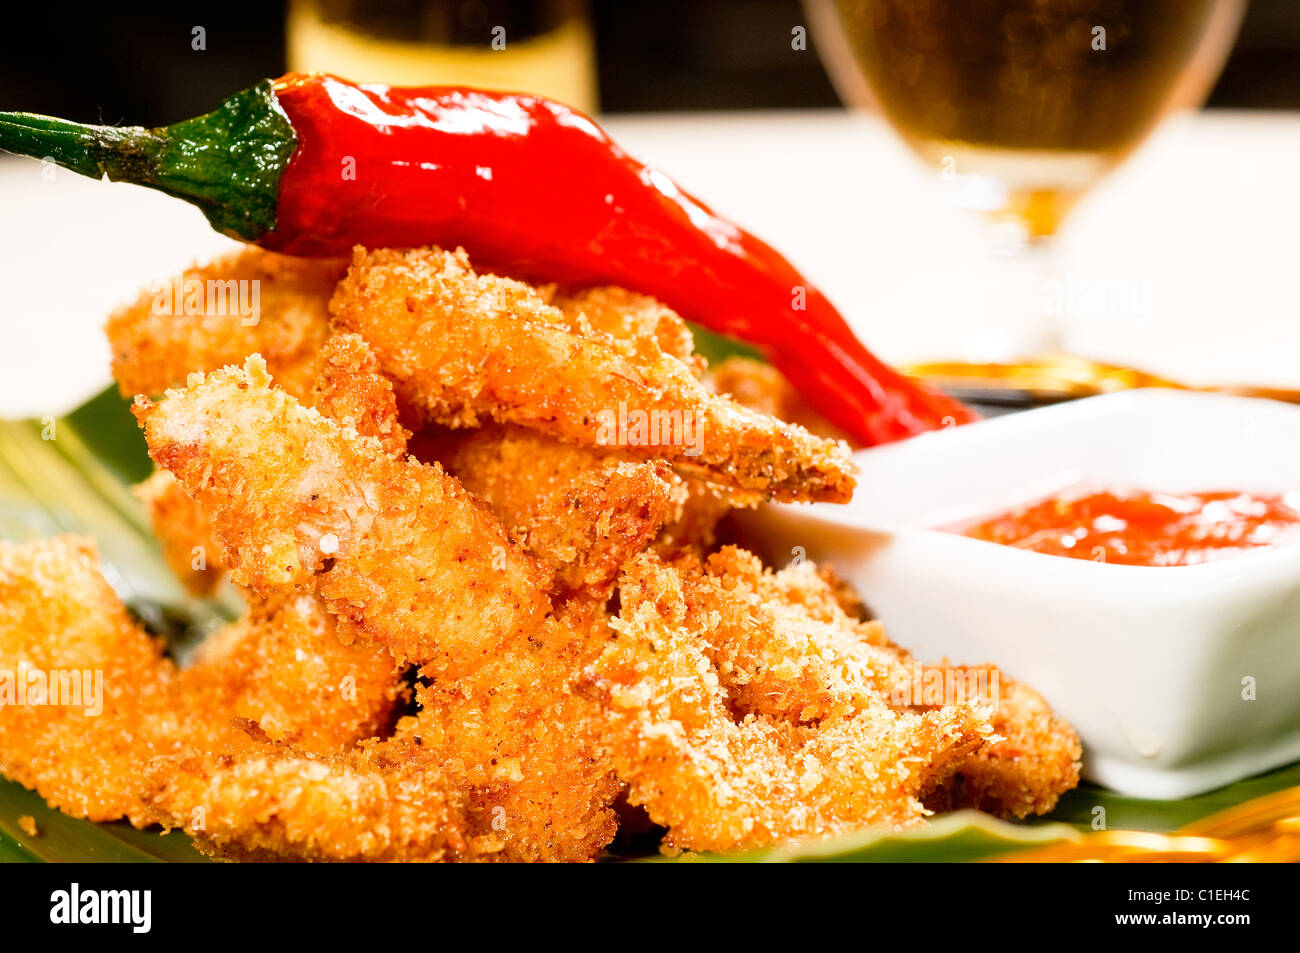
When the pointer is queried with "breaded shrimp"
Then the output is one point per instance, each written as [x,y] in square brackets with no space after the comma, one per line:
[639,326]
[183,531]
[723,767]
[284,667]
[505,766]
[1035,761]
[764,389]
[350,390]
[415,564]
[382,801]
[395,547]
[580,512]
[1024,770]
[58,615]
[461,348]
[217,314]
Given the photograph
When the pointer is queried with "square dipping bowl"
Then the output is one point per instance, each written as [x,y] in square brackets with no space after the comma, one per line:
[1178,679]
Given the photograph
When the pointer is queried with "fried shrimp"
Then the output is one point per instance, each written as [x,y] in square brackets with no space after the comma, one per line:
[300,502]
[1034,762]
[724,767]
[207,317]
[61,625]
[284,667]
[183,531]
[462,348]
[381,801]
[461,599]
[580,512]
[763,389]
[638,326]
[59,619]
[350,390]
[504,766]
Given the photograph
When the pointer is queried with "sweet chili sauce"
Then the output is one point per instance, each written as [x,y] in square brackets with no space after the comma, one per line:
[1140,528]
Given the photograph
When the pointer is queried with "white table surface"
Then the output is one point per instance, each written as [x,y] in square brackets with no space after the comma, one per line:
[1204,222]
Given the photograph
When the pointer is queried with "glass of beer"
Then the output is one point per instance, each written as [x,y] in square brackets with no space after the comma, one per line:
[534,46]
[1025,104]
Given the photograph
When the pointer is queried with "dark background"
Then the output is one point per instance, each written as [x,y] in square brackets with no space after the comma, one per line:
[112,63]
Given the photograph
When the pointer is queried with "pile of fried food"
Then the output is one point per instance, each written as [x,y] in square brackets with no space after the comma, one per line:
[477,627]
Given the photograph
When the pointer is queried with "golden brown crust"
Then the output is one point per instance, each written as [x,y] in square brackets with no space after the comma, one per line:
[463,348]
[729,755]
[183,531]
[157,343]
[764,389]
[282,665]
[638,325]
[462,600]
[298,501]
[352,391]
[580,512]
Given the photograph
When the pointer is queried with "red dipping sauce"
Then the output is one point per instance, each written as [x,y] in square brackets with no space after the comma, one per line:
[1138,528]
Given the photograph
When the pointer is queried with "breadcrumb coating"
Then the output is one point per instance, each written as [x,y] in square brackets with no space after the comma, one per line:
[582,513]
[637,325]
[192,322]
[183,531]
[462,348]
[282,664]
[277,479]
[1035,761]
[724,776]
[764,389]
[381,801]
[462,600]
[350,390]
[284,667]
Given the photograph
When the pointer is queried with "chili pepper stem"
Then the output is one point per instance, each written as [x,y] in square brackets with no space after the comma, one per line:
[228,162]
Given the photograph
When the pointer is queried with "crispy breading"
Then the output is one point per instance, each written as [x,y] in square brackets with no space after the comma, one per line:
[580,512]
[418,565]
[352,391]
[462,348]
[300,502]
[283,664]
[284,667]
[764,389]
[1026,772]
[725,768]
[505,766]
[384,801]
[58,614]
[183,531]
[158,340]
[638,325]
[1033,760]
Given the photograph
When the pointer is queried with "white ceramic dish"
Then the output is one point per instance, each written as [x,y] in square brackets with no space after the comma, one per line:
[1156,667]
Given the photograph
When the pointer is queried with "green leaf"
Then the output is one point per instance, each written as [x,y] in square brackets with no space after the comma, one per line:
[79,482]
[716,348]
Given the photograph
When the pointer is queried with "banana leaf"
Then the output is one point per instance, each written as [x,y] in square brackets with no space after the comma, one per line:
[74,474]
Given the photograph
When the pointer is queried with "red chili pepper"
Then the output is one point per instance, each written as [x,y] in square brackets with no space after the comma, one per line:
[312,165]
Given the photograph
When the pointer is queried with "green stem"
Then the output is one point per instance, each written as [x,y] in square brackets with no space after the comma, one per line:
[228,162]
